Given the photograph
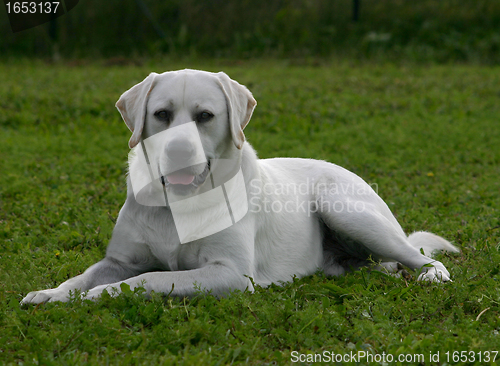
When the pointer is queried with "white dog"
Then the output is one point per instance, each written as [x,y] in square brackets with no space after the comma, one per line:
[203,212]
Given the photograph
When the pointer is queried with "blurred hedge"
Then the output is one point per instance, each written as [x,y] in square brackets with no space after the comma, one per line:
[429,30]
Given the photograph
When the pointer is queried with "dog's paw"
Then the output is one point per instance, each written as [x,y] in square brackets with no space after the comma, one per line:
[437,273]
[50,295]
[96,292]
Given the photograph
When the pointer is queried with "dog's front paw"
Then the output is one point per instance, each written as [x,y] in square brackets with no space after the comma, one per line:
[50,295]
[96,292]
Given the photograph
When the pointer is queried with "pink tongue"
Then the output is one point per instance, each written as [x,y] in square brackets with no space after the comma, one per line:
[180,178]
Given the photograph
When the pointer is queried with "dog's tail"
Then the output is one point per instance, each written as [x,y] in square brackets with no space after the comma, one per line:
[430,243]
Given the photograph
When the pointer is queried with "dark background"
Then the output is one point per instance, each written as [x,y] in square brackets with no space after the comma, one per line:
[417,30]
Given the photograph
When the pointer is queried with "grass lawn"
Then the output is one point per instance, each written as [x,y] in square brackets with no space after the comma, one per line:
[428,137]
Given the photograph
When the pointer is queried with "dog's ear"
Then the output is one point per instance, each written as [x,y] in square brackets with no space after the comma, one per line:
[132,106]
[240,105]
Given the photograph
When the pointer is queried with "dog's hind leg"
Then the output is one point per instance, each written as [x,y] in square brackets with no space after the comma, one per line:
[374,231]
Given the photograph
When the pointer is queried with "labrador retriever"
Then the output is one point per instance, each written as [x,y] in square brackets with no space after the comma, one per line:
[203,213]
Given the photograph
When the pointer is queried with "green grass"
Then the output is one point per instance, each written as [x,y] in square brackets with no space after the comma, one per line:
[427,136]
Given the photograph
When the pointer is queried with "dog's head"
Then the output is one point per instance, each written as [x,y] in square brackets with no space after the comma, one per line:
[189,118]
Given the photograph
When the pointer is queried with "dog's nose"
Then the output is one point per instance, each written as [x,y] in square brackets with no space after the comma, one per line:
[179,150]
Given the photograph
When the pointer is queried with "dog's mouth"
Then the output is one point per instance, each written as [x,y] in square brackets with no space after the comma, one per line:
[184,181]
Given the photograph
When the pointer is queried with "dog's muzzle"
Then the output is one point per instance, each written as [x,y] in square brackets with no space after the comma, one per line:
[185,178]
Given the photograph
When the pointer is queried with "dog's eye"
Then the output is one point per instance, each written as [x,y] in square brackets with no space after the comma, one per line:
[163,115]
[204,116]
